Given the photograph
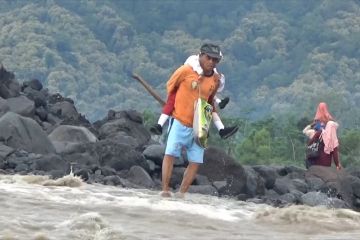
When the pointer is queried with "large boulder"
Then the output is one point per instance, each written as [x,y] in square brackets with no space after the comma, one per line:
[109,153]
[140,177]
[122,137]
[336,183]
[5,151]
[21,105]
[33,84]
[218,166]
[319,198]
[49,164]
[285,185]
[292,172]
[38,97]
[255,184]
[155,152]
[52,164]
[4,107]
[82,160]
[64,109]
[24,133]
[9,87]
[65,137]
[268,173]
[128,122]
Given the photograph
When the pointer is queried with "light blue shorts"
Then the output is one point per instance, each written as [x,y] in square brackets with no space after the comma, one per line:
[180,137]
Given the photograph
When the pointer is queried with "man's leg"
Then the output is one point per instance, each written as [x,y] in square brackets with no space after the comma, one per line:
[167,167]
[189,176]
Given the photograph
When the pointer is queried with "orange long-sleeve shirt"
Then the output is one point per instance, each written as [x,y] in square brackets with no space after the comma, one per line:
[186,82]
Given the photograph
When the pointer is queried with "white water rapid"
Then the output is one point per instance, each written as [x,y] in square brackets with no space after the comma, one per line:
[37,208]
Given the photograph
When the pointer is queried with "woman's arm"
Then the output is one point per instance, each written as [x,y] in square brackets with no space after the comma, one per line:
[336,158]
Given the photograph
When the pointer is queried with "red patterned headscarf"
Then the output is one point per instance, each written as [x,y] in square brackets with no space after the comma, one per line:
[322,113]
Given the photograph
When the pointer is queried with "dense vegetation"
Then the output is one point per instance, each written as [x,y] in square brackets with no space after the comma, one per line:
[282,57]
[275,141]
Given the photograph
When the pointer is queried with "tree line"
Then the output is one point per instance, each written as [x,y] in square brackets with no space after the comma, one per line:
[281,58]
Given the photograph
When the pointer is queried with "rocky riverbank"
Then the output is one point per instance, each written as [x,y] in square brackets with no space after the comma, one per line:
[43,133]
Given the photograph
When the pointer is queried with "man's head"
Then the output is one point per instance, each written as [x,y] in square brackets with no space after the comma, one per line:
[210,55]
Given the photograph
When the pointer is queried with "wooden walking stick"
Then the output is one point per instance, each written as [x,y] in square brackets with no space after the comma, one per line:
[149,88]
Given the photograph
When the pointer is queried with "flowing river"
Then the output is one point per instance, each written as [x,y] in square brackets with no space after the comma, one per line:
[37,208]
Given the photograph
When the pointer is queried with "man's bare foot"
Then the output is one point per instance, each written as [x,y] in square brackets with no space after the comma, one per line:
[165,194]
[180,195]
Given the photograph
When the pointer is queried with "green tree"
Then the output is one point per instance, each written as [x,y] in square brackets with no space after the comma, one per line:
[350,148]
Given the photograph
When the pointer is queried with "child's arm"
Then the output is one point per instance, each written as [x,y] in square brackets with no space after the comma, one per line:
[168,108]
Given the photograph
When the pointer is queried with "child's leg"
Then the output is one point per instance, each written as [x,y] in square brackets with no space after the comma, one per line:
[222,102]
[224,132]
[217,99]
[217,121]
[162,119]
[166,112]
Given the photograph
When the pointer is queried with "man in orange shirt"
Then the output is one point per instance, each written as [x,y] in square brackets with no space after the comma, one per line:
[189,86]
[168,108]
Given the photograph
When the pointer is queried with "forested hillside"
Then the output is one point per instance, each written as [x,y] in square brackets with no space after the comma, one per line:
[281,57]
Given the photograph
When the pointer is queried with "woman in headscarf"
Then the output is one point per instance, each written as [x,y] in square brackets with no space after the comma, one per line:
[328,147]
[322,116]
[325,128]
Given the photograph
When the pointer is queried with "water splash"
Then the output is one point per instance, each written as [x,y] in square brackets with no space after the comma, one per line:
[311,219]
[101,212]
[90,225]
